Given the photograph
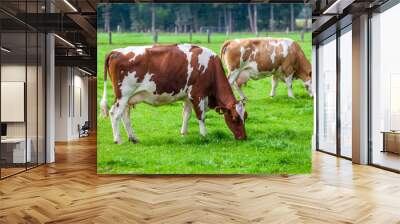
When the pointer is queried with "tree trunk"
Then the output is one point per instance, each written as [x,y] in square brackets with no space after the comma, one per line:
[178,23]
[255,20]
[305,11]
[249,11]
[153,19]
[107,18]
[230,20]
[195,22]
[219,22]
[226,21]
[292,22]
[271,18]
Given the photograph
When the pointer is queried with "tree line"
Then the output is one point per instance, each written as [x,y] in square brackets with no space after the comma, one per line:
[214,17]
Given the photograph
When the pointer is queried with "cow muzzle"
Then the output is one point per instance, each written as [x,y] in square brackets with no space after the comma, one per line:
[241,137]
[308,87]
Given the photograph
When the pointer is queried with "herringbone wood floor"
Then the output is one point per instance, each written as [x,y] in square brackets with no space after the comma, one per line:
[69,191]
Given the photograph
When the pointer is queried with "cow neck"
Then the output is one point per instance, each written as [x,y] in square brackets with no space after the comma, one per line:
[304,67]
[223,93]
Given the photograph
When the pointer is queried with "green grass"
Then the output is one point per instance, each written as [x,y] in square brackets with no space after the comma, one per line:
[279,129]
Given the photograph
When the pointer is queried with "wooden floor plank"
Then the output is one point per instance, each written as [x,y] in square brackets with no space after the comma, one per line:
[70,191]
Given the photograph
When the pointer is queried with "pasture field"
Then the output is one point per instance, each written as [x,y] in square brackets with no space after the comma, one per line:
[279,129]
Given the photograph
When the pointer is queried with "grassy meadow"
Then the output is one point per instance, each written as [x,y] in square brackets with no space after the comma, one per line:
[279,129]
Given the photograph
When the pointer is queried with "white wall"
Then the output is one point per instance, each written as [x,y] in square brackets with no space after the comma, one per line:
[69,82]
[61,103]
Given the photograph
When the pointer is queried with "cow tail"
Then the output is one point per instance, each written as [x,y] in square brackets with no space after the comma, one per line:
[104,106]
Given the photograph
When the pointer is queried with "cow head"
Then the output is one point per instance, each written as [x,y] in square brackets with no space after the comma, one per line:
[307,79]
[235,117]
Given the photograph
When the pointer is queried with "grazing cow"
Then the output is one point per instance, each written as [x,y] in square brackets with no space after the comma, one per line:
[256,58]
[163,74]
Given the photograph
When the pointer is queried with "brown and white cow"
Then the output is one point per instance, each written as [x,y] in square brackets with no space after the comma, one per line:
[163,74]
[256,58]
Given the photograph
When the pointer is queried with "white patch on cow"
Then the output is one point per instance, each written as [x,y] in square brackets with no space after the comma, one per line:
[289,81]
[116,113]
[187,110]
[274,45]
[145,91]
[189,91]
[202,126]
[185,48]
[275,82]
[129,84]
[115,125]
[203,106]
[136,50]
[254,53]
[242,51]
[285,43]
[126,118]
[204,58]
[240,110]
[272,56]
[237,40]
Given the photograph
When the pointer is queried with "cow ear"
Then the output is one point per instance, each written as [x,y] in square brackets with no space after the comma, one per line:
[220,110]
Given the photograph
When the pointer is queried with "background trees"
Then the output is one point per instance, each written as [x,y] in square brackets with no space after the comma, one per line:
[216,17]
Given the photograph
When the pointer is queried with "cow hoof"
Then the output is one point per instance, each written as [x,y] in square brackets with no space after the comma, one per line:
[183,133]
[134,140]
[117,142]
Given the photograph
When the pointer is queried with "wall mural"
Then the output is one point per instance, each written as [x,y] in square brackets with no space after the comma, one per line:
[204,89]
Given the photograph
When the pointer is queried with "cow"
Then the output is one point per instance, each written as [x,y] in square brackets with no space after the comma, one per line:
[162,74]
[256,58]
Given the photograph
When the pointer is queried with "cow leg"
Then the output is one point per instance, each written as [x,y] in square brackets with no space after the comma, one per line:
[187,111]
[128,126]
[275,82]
[116,113]
[233,76]
[115,125]
[288,81]
[241,93]
[200,105]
